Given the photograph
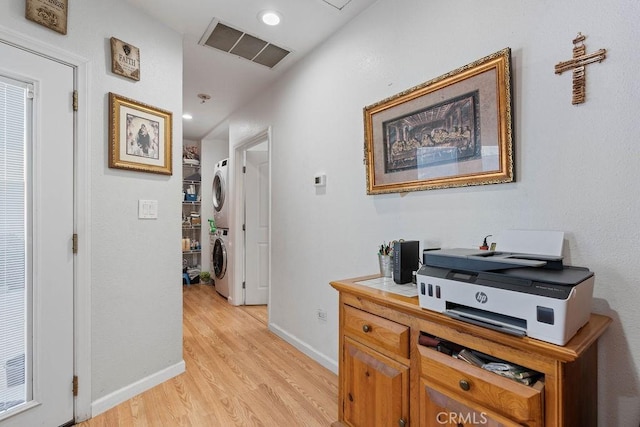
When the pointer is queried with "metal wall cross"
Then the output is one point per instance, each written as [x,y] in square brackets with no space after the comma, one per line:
[577,64]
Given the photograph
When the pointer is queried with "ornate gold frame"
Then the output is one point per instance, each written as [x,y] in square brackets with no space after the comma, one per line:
[426,122]
[129,148]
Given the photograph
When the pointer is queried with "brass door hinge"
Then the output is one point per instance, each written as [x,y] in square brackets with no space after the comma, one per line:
[75,386]
[74,244]
[75,100]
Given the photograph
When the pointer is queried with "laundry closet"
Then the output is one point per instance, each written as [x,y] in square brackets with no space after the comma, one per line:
[231,253]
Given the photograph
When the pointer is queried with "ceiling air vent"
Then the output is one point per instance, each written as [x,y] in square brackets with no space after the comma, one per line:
[236,42]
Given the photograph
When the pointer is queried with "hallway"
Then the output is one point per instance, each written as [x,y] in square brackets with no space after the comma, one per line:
[238,374]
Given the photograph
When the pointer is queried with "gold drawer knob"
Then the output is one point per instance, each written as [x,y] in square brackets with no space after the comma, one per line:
[465,385]
[366,328]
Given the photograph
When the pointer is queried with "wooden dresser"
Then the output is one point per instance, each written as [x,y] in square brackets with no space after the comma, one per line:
[387,379]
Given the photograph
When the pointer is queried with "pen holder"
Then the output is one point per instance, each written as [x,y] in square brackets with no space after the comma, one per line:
[385,265]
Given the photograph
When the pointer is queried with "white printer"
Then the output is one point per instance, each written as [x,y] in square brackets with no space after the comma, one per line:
[515,293]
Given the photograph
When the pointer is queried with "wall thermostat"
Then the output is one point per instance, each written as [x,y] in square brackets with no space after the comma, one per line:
[320,180]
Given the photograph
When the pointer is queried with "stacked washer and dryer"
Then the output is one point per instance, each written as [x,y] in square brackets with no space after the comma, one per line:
[220,239]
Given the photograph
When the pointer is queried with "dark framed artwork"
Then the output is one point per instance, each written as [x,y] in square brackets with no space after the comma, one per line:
[452,131]
[139,136]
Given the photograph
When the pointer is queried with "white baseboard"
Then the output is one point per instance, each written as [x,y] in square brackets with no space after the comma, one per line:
[322,359]
[112,399]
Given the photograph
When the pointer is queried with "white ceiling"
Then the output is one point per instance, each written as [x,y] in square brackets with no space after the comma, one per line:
[231,81]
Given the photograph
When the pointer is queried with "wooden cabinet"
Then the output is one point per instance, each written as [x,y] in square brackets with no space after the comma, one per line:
[375,378]
[387,379]
[376,387]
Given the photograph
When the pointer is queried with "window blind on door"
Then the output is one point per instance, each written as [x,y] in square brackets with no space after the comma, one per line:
[13,243]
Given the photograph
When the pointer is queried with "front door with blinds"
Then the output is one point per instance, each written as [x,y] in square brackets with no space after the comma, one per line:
[36,229]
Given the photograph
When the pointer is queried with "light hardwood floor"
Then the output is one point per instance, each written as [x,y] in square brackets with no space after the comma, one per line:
[238,373]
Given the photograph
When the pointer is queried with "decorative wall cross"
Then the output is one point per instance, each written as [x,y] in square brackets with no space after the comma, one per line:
[577,64]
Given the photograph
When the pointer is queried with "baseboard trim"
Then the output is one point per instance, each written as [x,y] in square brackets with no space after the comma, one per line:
[322,359]
[113,399]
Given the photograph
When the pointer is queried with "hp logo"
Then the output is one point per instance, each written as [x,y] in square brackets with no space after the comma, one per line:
[481,297]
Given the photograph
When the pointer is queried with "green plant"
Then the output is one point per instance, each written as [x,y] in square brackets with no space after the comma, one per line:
[205,276]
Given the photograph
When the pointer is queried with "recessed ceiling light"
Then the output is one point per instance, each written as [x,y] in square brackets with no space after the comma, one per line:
[187,116]
[269,17]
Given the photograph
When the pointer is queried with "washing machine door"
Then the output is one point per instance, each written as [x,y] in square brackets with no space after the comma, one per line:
[219,189]
[219,258]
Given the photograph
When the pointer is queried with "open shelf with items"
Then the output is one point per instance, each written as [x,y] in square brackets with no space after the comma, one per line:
[191,219]
[455,379]
[501,367]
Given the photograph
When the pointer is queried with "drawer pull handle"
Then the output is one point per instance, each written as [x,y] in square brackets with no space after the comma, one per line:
[366,328]
[465,385]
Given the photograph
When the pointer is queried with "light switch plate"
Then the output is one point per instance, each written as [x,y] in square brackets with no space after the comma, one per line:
[147,209]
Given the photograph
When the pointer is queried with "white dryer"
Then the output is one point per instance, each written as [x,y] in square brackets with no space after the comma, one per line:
[220,250]
[220,192]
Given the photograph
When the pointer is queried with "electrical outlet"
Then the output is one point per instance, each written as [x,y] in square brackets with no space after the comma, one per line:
[321,315]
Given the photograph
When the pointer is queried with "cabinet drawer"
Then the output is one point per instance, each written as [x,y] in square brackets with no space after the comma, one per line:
[516,401]
[376,331]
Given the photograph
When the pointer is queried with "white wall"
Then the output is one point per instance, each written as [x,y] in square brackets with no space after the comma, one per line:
[136,307]
[576,166]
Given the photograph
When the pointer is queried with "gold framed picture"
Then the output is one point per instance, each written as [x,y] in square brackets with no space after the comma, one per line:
[125,59]
[139,136]
[452,131]
[49,13]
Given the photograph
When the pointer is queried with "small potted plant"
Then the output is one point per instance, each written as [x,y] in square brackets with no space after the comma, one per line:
[205,277]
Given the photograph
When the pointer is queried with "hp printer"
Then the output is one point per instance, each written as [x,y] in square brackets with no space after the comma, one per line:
[515,293]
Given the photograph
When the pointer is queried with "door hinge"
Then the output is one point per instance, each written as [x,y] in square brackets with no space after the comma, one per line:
[75,243]
[244,285]
[75,386]
[75,100]
[244,227]
[244,169]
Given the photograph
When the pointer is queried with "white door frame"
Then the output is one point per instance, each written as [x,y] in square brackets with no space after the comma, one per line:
[82,212]
[237,296]
[256,204]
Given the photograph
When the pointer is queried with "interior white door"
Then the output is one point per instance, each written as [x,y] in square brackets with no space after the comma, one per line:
[49,224]
[256,184]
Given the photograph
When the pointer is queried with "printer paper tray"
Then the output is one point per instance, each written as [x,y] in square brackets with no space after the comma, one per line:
[498,322]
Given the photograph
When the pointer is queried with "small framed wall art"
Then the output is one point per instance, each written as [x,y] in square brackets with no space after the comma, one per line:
[49,13]
[139,136]
[125,59]
[452,131]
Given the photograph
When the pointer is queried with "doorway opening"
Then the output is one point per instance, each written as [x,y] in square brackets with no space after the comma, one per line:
[253,214]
